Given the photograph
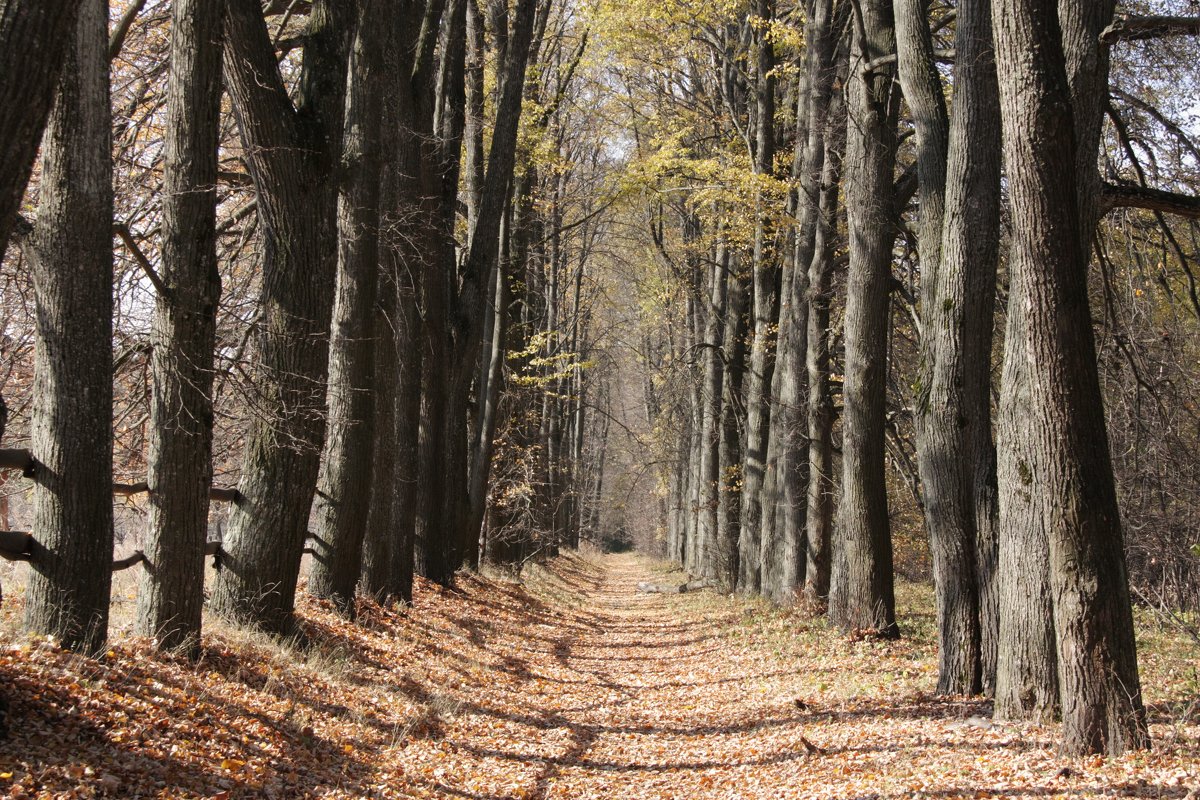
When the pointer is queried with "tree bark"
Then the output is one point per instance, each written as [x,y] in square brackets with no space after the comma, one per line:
[291,152]
[861,588]
[344,484]
[421,165]
[379,577]
[730,451]
[171,588]
[781,550]
[821,490]
[710,430]
[70,256]
[1069,467]
[465,326]
[35,32]
[959,185]
[766,315]
[481,467]
[405,245]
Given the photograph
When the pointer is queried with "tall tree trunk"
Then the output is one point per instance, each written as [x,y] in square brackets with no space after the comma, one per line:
[710,432]
[344,484]
[291,152]
[781,550]
[861,588]
[405,244]
[959,176]
[70,256]
[730,451]
[1026,663]
[466,324]
[1069,463]
[821,488]
[171,588]
[406,433]
[960,382]
[380,578]
[32,32]
[785,569]
[457,546]
[695,399]
[829,125]
[766,316]
[481,467]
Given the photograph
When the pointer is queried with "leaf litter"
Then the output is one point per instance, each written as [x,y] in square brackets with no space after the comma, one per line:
[573,685]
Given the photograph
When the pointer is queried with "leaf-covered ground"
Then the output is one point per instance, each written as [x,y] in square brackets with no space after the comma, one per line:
[573,686]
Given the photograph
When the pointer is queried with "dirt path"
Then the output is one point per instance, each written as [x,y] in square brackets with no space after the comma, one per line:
[620,694]
[629,694]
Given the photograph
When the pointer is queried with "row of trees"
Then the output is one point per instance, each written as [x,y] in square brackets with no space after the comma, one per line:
[352,240]
[373,266]
[823,191]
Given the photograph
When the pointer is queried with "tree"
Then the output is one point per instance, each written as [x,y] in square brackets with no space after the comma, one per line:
[345,485]
[808,435]
[861,585]
[171,590]
[466,326]
[959,195]
[764,309]
[1069,469]
[411,197]
[69,250]
[292,151]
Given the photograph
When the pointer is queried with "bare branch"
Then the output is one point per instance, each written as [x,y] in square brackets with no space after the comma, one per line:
[122,230]
[1137,29]
[1124,196]
[117,40]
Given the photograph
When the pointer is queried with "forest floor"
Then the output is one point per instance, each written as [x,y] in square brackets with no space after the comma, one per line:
[570,685]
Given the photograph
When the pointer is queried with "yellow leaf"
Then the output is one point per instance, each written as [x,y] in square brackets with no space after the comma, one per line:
[5,776]
[232,763]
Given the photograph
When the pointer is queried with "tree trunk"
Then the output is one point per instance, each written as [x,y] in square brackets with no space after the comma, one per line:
[781,550]
[70,257]
[344,485]
[32,32]
[766,316]
[730,451]
[819,533]
[1026,664]
[291,152]
[785,569]
[380,578]
[171,589]
[962,318]
[959,176]
[464,327]
[458,548]
[405,244]
[1069,463]
[710,431]
[406,434]
[861,594]
[481,468]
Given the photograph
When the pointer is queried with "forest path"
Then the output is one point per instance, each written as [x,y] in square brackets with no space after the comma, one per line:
[637,694]
[610,692]
[572,684]
[631,694]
